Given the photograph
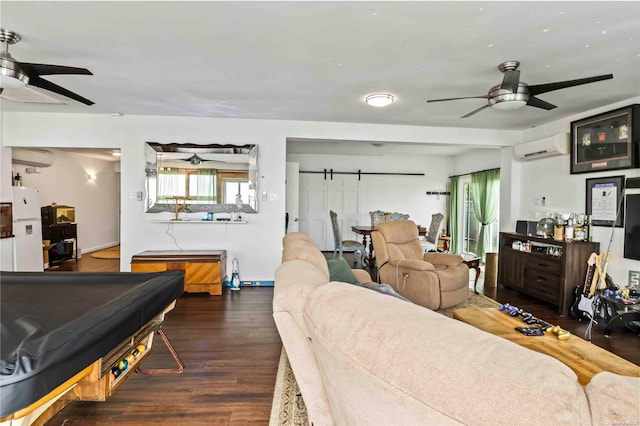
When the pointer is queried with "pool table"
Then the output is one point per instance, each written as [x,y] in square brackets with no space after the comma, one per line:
[75,336]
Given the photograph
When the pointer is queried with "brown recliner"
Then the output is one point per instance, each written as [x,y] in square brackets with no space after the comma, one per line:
[432,280]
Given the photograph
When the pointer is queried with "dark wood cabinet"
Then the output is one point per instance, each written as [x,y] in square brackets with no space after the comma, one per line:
[546,269]
[61,242]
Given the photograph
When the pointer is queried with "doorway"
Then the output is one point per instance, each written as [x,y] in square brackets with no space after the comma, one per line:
[469,225]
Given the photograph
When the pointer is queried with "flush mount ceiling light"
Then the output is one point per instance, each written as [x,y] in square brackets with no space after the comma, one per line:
[379,99]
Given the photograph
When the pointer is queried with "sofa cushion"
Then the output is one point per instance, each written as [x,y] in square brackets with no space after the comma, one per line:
[419,367]
[306,250]
[295,280]
[613,399]
[339,270]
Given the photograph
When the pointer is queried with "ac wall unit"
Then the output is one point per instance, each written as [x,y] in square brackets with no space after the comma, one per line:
[542,148]
[32,157]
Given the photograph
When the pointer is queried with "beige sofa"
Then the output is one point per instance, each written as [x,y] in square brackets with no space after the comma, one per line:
[365,358]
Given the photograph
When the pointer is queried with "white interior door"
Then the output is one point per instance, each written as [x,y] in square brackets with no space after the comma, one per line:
[319,195]
[313,209]
[293,195]
[344,199]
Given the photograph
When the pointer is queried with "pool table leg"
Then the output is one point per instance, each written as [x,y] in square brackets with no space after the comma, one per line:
[174,354]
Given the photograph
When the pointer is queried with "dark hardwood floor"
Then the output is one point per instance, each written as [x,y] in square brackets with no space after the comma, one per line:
[230,347]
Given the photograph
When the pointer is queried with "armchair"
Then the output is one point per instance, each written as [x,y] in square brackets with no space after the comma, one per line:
[433,280]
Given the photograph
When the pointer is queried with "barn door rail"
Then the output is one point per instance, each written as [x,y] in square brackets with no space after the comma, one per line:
[360,173]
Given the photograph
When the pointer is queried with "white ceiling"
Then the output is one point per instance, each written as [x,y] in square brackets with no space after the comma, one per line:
[316,61]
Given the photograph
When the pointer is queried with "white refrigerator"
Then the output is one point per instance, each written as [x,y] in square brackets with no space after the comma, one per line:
[27,228]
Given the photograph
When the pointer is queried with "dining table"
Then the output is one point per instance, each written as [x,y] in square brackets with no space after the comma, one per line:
[365,231]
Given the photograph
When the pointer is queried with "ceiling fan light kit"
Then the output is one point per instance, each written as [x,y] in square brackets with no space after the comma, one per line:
[17,75]
[379,100]
[514,94]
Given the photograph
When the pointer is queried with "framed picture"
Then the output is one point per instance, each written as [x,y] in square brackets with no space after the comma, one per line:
[607,141]
[605,202]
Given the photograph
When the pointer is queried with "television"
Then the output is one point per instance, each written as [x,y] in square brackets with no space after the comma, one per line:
[632,228]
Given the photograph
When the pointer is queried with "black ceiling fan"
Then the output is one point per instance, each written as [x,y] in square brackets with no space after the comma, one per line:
[513,94]
[16,75]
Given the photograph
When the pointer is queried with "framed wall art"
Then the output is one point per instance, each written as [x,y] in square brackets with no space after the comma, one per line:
[604,201]
[608,141]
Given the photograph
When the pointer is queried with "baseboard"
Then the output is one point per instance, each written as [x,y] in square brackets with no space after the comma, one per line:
[252,283]
[97,248]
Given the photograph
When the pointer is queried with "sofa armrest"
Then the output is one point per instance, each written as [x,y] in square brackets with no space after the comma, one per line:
[448,259]
[412,264]
[362,276]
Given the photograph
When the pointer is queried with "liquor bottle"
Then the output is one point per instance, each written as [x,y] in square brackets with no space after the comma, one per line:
[587,227]
[568,229]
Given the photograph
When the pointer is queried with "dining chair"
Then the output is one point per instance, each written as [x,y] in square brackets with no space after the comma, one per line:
[341,245]
[378,216]
[430,242]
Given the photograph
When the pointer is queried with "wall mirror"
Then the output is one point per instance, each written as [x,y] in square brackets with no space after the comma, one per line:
[201,178]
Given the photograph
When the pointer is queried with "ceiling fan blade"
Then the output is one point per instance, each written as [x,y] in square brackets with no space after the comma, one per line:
[455,99]
[539,103]
[537,89]
[44,69]
[47,85]
[475,111]
[511,80]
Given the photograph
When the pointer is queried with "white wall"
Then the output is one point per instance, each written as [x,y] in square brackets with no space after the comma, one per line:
[6,196]
[564,192]
[66,182]
[257,245]
[403,194]
[477,160]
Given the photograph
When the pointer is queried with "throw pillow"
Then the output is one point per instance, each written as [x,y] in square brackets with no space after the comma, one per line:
[339,270]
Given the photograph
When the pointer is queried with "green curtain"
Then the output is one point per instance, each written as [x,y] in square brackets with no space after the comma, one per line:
[206,186]
[453,215]
[485,193]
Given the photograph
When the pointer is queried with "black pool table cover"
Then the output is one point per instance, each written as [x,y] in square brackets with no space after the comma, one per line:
[56,324]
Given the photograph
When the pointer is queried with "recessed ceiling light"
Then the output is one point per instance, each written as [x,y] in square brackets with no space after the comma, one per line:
[379,99]
[116,114]
[116,153]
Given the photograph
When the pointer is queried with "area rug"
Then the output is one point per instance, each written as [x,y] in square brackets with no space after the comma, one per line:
[473,301]
[288,407]
[108,253]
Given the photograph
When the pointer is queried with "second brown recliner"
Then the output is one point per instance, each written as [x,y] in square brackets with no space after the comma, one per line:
[432,280]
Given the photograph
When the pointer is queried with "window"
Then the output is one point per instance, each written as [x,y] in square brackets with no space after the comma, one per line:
[199,185]
[470,226]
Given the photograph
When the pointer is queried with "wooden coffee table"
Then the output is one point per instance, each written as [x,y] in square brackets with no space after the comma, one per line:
[584,358]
